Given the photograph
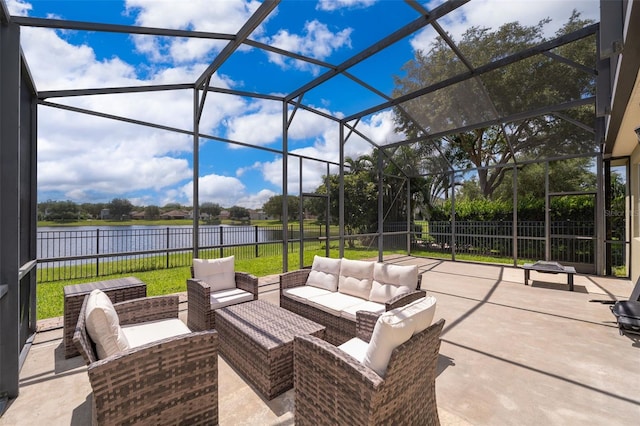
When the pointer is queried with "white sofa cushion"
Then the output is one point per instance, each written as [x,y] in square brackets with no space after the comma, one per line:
[395,327]
[350,312]
[334,303]
[152,331]
[324,273]
[423,311]
[390,281]
[304,292]
[103,325]
[220,299]
[355,347]
[218,273]
[355,278]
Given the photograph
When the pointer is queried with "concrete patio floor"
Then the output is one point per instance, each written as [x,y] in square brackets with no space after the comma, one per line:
[511,355]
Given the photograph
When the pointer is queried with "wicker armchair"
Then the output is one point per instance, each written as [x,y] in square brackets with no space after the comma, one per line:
[334,388]
[170,381]
[200,309]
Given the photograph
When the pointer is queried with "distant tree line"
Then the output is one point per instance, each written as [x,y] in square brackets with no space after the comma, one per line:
[120,209]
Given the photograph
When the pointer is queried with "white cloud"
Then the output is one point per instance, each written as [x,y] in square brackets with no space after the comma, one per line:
[379,128]
[225,190]
[225,17]
[317,41]
[261,124]
[18,7]
[494,13]
[256,201]
[84,157]
[330,5]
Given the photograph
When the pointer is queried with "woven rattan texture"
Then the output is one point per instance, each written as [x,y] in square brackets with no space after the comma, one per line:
[118,290]
[172,381]
[332,388]
[200,314]
[129,312]
[257,339]
[339,329]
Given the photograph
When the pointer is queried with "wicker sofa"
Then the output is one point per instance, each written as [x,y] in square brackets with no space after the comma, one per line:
[173,380]
[214,284]
[333,290]
[335,387]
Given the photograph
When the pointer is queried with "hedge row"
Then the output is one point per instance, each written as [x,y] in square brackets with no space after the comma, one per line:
[576,207]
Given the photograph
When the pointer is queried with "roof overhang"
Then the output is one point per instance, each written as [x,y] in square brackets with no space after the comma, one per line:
[620,137]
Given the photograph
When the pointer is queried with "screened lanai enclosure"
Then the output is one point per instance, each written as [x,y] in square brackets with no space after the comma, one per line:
[492,150]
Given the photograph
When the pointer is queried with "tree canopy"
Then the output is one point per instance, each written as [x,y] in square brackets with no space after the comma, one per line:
[536,82]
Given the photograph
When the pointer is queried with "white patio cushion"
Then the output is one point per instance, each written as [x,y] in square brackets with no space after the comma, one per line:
[395,327]
[227,297]
[324,273]
[350,312]
[390,281]
[356,277]
[218,273]
[355,347]
[103,325]
[152,331]
[334,303]
[304,292]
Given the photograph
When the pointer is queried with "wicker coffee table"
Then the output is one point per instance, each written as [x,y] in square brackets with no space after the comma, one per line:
[256,338]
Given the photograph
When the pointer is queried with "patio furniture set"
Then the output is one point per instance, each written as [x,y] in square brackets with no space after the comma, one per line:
[372,365]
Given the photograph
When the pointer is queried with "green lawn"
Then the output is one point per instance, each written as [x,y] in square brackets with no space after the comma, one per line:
[174,280]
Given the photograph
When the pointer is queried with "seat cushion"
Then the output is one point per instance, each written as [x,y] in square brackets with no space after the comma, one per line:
[350,312]
[103,325]
[222,298]
[304,292]
[355,347]
[395,327]
[355,278]
[334,303]
[390,281]
[152,331]
[324,273]
[218,273]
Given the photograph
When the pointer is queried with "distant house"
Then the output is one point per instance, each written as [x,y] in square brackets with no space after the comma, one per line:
[175,214]
[105,214]
[138,215]
[224,214]
[258,215]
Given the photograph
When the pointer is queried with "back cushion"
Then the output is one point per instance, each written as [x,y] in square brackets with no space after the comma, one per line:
[324,273]
[392,280]
[355,278]
[389,332]
[218,273]
[103,325]
[395,327]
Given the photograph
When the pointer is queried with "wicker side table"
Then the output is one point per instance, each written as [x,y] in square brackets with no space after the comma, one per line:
[118,290]
[257,339]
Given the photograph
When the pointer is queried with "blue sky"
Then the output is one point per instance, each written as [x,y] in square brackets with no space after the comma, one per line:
[89,159]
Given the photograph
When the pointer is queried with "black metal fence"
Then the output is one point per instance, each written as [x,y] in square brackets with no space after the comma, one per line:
[571,241]
[83,253]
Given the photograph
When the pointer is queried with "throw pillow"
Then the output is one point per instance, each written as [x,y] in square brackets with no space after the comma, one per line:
[103,325]
[395,327]
[218,273]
